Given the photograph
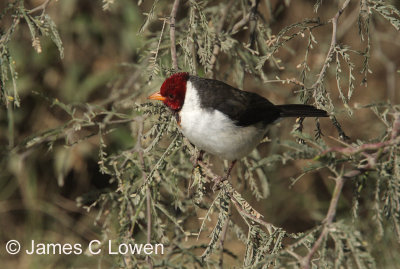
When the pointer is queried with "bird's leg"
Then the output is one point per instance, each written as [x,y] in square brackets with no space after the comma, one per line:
[228,173]
[219,180]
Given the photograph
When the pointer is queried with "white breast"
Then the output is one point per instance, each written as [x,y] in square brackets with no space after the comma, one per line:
[213,131]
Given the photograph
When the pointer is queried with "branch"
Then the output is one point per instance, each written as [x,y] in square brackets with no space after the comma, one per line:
[246,18]
[42,7]
[396,127]
[242,211]
[222,240]
[138,147]
[324,68]
[305,262]
[350,150]
[217,45]
[240,24]
[328,58]
[340,179]
[378,148]
[235,29]
[172,35]
[389,65]
[153,61]
[148,210]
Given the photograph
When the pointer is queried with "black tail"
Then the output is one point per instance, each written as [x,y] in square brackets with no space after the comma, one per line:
[298,110]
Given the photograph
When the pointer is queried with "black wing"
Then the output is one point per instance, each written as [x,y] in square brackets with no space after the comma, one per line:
[245,108]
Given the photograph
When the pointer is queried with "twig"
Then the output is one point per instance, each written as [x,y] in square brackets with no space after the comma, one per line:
[138,147]
[328,58]
[148,209]
[340,179]
[207,169]
[172,35]
[222,240]
[253,23]
[153,62]
[390,67]
[242,212]
[217,45]
[42,7]
[327,221]
[355,150]
[295,255]
[191,40]
[325,66]
[247,18]
[235,28]
[379,148]
[286,81]
[240,24]
[396,127]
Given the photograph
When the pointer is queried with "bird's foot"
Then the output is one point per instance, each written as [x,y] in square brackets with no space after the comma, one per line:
[218,180]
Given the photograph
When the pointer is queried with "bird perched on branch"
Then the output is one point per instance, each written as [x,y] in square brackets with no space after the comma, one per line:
[220,119]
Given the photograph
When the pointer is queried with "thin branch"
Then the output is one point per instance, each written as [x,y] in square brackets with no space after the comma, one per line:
[327,221]
[42,7]
[148,210]
[217,45]
[322,73]
[378,148]
[328,58]
[355,150]
[207,169]
[242,212]
[295,255]
[245,20]
[172,35]
[339,182]
[389,65]
[253,23]
[193,43]
[340,179]
[222,240]
[139,149]
[249,16]
[154,60]
[396,126]
[240,24]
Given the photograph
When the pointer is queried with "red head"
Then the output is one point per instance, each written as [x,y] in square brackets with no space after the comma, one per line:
[172,91]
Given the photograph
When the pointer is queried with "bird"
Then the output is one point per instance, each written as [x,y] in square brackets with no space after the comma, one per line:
[221,119]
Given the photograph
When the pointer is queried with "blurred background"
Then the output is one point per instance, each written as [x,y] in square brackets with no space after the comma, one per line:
[41,185]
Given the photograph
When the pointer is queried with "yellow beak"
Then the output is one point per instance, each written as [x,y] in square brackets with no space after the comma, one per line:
[157,96]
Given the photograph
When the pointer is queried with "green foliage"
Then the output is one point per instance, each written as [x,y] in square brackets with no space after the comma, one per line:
[155,194]
[42,25]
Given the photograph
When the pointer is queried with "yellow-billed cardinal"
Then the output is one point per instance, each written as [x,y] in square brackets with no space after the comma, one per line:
[221,119]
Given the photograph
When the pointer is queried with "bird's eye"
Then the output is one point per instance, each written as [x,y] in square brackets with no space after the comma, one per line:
[171,96]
